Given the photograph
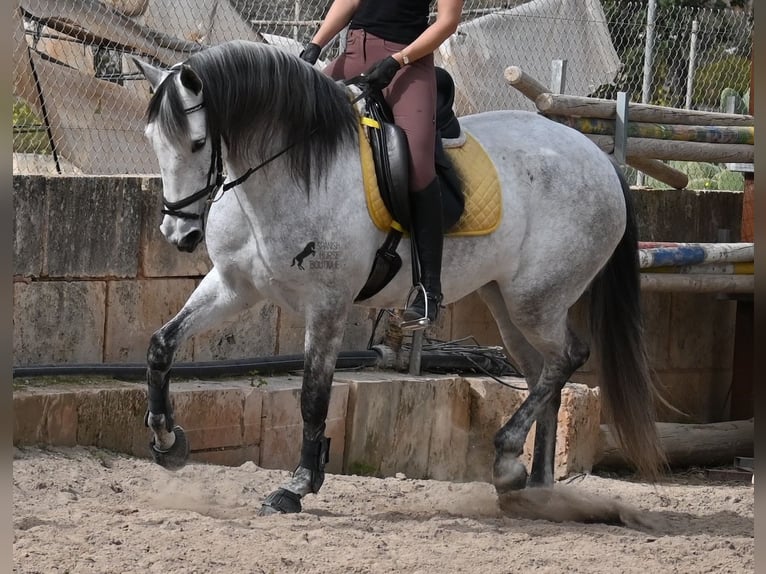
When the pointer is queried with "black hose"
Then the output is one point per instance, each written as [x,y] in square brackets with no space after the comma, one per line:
[229,367]
[435,360]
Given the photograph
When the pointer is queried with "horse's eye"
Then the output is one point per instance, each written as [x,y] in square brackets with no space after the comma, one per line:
[198,145]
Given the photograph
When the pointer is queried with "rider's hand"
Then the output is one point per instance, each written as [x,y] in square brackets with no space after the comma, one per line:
[381,73]
[310,53]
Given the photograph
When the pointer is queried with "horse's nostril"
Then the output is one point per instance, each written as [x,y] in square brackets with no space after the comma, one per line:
[189,242]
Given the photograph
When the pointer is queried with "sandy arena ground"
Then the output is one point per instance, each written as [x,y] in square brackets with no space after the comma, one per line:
[87,510]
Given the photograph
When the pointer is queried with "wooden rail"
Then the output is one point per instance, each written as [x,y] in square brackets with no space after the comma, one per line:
[654,133]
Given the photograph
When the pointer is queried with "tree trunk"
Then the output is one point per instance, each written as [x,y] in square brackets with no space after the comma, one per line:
[689,444]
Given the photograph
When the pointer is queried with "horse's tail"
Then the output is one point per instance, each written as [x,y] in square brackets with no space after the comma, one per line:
[626,381]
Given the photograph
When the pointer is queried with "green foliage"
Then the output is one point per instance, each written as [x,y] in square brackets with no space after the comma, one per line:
[707,80]
[361,469]
[731,180]
[723,50]
[257,381]
[739,104]
[28,131]
[703,176]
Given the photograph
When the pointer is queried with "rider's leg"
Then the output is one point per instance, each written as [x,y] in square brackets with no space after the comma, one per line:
[413,102]
[426,215]
[412,99]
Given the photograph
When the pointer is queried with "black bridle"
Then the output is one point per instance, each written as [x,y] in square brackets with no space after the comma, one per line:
[215,178]
[214,173]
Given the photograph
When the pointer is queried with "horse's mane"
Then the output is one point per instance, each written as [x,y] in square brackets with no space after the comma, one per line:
[261,100]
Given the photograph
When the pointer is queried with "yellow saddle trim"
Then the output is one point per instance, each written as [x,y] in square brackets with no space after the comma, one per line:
[481,185]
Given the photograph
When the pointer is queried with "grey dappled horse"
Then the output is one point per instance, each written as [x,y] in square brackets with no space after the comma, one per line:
[287,138]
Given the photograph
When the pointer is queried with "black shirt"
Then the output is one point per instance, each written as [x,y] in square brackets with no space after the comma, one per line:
[399,21]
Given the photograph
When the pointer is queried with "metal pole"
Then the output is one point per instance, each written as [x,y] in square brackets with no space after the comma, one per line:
[648,53]
[558,76]
[297,19]
[692,62]
[416,352]
[646,88]
[621,128]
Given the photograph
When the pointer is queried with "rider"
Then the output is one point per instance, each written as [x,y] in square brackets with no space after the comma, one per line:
[393,44]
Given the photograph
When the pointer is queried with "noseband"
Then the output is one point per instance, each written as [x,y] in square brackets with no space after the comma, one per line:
[214,181]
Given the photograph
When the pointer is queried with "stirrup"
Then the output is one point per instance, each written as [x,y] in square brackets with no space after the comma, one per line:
[422,322]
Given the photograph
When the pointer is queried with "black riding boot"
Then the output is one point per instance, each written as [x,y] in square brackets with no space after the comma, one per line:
[426,228]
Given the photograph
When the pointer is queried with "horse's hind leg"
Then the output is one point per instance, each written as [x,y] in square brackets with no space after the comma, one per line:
[324,334]
[562,353]
[530,361]
[544,453]
[524,355]
[210,303]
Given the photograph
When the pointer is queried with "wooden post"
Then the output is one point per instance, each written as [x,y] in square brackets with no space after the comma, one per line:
[702,283]
[676,132]
[600,108]
[679,150]
[525,83]
[660,171]
[743,374]
[747,199]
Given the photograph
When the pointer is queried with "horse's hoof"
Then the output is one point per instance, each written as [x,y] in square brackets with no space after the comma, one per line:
[281,501]
[175,457]
[509,474]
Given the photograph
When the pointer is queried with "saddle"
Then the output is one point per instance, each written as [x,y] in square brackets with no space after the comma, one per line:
[391,160]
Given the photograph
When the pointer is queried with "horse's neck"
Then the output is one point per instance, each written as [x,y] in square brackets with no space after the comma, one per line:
[271,195]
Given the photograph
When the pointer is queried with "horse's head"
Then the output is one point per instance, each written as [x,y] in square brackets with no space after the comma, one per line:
[189,159]
[252,103]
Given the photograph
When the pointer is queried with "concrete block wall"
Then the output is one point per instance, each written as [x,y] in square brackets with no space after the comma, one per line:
[93,278]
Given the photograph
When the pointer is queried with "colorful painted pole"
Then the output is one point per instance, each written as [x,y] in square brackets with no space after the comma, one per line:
[694,254]
[677,132]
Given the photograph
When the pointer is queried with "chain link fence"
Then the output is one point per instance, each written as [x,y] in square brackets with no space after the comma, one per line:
[79,101]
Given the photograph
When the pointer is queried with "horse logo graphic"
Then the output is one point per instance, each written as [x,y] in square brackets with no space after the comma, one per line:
[308,250]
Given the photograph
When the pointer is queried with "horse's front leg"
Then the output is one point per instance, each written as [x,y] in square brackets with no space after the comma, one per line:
[324,334]
[210,303]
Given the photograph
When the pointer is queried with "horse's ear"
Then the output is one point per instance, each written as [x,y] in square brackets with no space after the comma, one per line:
[190,80]
[153,75]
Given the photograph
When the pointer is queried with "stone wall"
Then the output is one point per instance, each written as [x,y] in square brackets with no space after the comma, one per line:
[93,279]
[379,423]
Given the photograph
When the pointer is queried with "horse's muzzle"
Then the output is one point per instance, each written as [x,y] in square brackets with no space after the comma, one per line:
[189,242]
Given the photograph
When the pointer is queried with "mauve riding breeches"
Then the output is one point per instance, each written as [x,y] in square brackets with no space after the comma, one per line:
[411,95]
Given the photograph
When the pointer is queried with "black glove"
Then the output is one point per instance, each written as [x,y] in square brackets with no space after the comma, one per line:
[310,53]
[381,73]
